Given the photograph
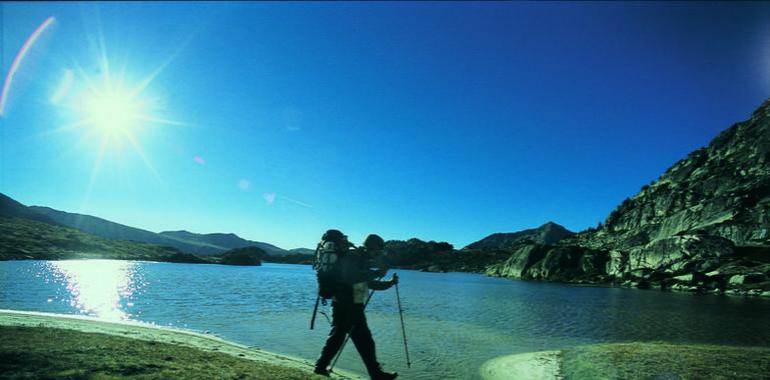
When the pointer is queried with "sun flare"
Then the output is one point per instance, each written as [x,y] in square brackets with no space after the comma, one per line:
[112,111]
[113,115]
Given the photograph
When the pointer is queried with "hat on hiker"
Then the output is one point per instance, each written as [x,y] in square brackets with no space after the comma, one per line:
[374,241]
[334,235]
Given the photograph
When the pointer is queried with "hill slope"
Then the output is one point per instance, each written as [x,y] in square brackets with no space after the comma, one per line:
[26,234]
[201,244]
[30,239]
[10,208]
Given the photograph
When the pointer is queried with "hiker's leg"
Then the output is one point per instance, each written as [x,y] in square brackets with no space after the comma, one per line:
[362,338]
[341,324]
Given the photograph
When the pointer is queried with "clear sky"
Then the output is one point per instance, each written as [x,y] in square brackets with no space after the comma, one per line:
[442,121]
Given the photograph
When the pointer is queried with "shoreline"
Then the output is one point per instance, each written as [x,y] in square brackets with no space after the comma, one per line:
[632,360]
[148,332]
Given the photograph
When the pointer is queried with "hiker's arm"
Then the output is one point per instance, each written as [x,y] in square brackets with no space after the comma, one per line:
[378,261]
[382,285]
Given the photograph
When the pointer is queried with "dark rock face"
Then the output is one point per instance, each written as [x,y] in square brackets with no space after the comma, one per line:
[702,225]
[548,233]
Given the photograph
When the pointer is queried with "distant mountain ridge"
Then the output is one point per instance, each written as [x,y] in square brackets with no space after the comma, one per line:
[548,233]
[201,244]
[226,241]
[12,209]
[28,234]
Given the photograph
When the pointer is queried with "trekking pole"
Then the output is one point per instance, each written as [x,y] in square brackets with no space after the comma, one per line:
[347,337]
[403,330]
[315,309]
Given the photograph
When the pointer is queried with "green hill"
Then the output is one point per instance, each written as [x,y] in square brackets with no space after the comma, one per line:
[30,239]
[199,244]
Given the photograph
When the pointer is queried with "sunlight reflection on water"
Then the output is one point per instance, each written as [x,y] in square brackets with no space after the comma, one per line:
[97,287]
[455,322]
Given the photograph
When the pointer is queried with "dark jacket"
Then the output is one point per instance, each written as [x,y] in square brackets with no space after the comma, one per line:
[353,271]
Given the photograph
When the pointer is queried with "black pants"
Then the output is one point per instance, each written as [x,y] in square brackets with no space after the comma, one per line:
[349,318]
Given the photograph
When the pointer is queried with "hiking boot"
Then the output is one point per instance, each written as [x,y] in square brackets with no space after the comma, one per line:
[382,375]
[321,371]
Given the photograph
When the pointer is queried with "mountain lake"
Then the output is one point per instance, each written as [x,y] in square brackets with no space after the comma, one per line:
[455,322]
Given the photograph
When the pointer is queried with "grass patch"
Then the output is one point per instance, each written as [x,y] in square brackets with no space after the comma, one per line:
[49,353]
[665,361]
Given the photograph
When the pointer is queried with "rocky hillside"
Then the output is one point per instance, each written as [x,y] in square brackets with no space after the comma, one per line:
[721,190]
[548,233]
[703,225]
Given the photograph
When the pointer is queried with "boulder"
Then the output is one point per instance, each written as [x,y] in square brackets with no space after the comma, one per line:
[520,261]
[684,278]
[706,265]
[684,288]
[640,273]
[749,278]
[434,268]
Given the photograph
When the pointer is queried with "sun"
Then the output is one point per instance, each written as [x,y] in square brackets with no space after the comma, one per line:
[112,111]
[114,107]
[113,114]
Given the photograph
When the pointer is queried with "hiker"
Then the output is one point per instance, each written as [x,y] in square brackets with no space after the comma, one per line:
[354,278]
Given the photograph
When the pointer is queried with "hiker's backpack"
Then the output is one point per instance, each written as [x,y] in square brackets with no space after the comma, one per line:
[327,272]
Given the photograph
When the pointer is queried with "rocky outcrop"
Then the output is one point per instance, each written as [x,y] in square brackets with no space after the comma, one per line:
[552,263]
[703,225]
[520,262]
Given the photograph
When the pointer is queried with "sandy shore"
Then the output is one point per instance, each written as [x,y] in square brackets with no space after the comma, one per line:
[634,360]
[532,365]
[138,330]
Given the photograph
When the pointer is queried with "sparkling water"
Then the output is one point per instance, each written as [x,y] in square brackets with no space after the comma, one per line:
[454,321]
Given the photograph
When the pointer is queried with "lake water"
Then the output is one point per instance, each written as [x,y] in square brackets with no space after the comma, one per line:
[454,321]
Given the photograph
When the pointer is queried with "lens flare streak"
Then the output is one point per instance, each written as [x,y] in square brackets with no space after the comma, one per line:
[19,57]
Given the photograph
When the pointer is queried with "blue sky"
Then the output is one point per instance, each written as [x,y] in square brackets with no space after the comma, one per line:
[442,121]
